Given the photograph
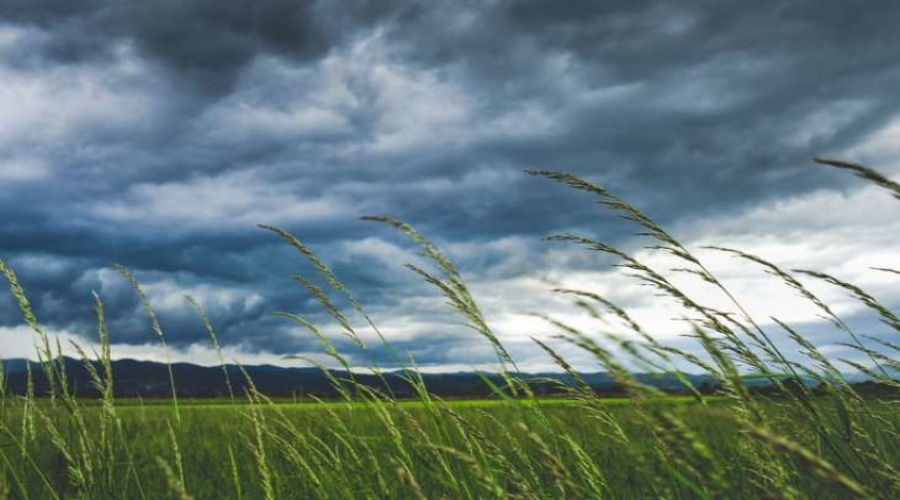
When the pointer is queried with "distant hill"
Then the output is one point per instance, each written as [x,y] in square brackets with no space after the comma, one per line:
[151,379]
[14,365]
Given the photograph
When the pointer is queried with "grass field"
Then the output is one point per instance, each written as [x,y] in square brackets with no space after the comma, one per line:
[795,443]
[470,448]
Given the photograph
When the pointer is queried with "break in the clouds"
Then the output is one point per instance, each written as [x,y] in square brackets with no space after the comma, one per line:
[158,134]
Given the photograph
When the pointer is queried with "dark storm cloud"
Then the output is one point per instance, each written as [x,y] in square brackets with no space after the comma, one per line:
[206,42]
[712,89]
[156,134]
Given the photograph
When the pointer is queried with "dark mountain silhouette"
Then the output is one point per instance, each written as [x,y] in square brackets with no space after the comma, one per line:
[14,365]
[151,379]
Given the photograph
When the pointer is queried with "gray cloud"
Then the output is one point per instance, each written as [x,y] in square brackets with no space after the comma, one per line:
[158,134]
[205,42]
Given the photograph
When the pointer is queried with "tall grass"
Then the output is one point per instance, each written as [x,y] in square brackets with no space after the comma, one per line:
[797,442]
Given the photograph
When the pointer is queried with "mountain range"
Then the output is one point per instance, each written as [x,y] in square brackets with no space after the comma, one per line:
[151,379]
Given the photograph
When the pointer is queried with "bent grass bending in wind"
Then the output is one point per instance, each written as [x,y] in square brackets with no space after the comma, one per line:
[831,442]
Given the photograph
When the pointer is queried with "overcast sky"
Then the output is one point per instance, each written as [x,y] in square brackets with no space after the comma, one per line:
[158,134]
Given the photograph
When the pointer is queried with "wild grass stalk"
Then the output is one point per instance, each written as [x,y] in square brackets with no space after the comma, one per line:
[235,474]
[336,284]
[44,350]
[157,329]
[175,484]
[2,388]
[863,172]
[177,457]
[211,332]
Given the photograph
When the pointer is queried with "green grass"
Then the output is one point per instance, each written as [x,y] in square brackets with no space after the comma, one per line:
[310,404]
[833,443]
[338,443]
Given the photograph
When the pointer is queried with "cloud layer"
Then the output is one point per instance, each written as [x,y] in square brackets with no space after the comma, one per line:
[157,135]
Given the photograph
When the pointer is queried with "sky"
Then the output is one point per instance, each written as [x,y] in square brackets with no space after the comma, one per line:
[157,135]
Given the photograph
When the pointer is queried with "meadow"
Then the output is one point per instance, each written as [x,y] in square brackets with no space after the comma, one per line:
[824,439]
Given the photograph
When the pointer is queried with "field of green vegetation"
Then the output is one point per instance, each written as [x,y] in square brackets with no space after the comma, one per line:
[792,442]
[460,449]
